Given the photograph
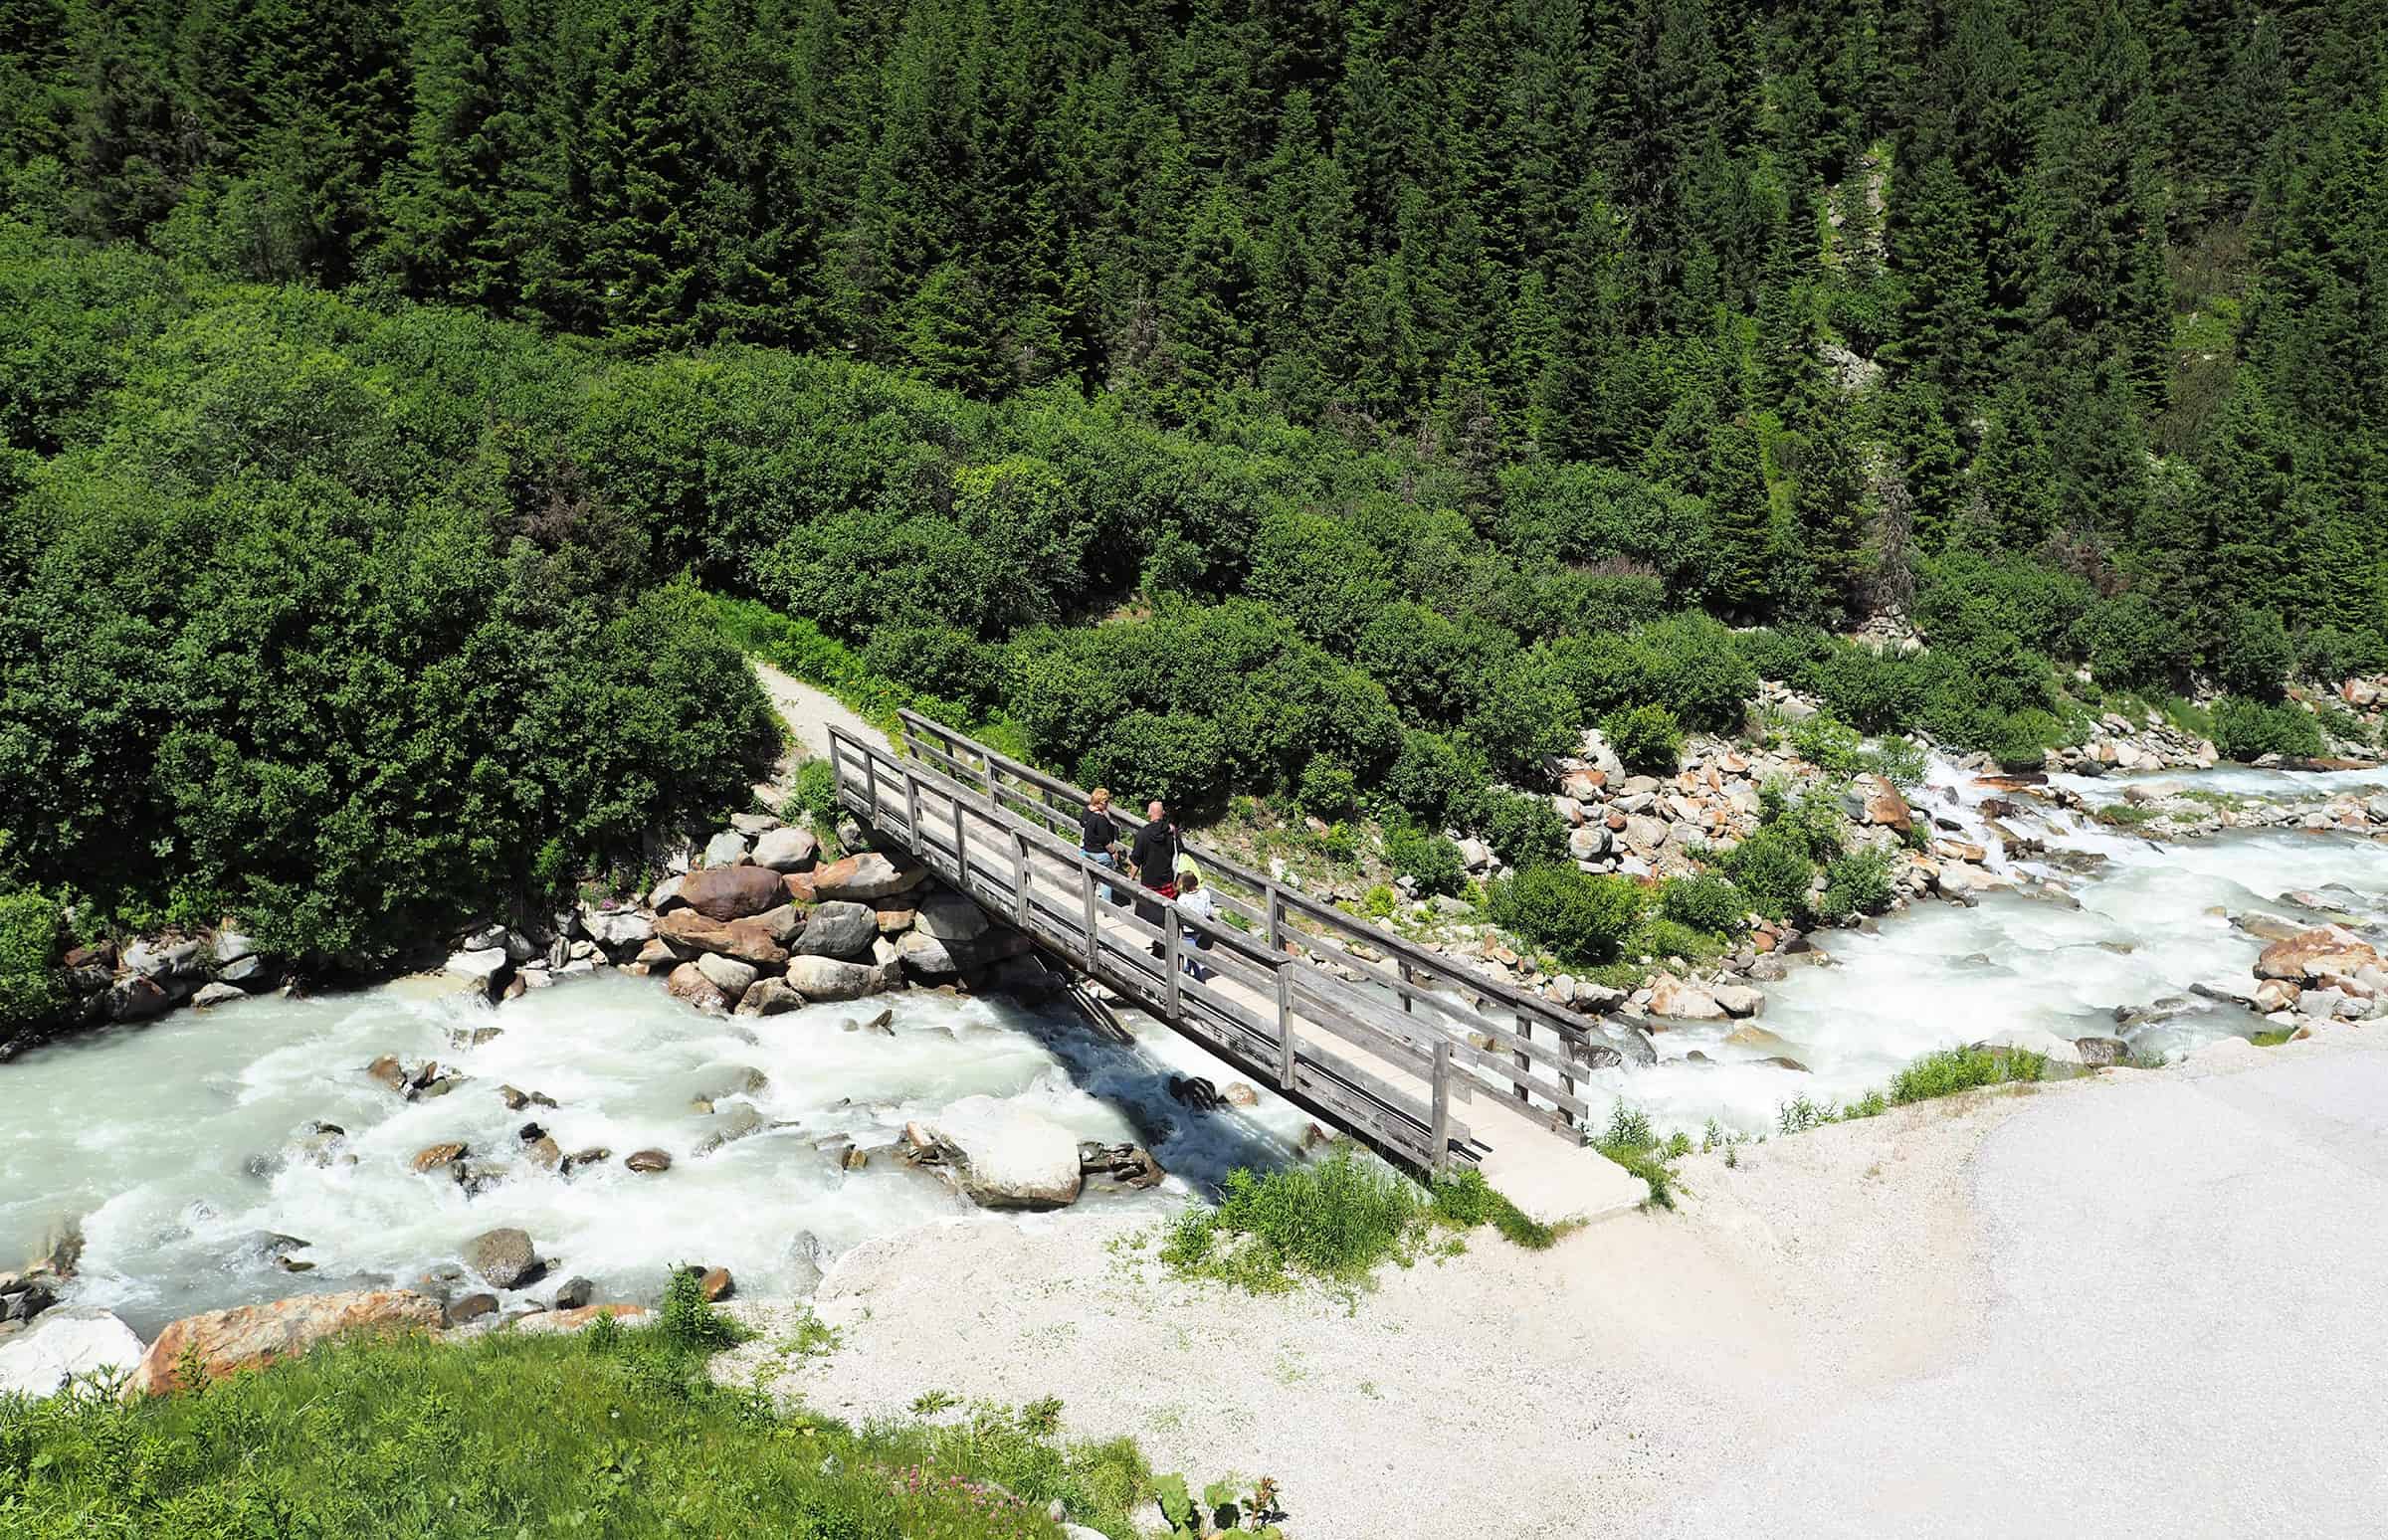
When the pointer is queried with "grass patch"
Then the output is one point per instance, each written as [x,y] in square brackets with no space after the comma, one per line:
[1335,1223]
[2273,1037]
[1951,1070]
[613,1432]
[1631,1142]
[2129,815]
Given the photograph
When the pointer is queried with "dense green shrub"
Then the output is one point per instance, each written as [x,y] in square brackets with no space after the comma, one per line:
[1773,870]
[1179,758]
[1428,779]
[1328,790]
[1647,738]
[1580,917]
[2247,730]
[1426,857]
[1858,883]
[31,933]
[1707,902]
[2255,658]
[1522,829]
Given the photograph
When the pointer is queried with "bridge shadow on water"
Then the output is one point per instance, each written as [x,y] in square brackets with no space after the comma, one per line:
[1198,1146]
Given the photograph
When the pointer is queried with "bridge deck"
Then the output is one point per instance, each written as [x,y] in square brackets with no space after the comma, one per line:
[1358,1026]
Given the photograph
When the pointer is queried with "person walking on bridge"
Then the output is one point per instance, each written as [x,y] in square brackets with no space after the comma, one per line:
[1097,831]
[1154,856]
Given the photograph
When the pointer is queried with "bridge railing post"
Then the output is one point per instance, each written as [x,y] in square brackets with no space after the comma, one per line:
[1282,973]
[961,851]
[1170,950]
[911,806]
[1019,876]
[1440,1133]
[1085,896]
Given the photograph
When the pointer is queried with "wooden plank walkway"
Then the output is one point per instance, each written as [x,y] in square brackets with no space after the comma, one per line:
[1365,1030]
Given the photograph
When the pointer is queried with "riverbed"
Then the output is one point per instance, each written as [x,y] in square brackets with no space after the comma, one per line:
[188,1148]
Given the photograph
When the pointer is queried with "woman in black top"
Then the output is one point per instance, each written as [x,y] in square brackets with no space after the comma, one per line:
[1097,834]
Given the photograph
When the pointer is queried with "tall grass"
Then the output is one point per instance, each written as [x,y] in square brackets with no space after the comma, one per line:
[1951,1070]
[617,1433]
[1334,1221]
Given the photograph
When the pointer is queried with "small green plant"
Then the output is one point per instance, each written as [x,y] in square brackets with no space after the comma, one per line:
[1425,857]
[1802,1113]
[1630,1141]
[1221,1509]
[930,1403]
[688,1321]
[1379,902]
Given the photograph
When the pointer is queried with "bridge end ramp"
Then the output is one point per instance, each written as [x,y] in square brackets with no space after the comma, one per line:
[1552,1182]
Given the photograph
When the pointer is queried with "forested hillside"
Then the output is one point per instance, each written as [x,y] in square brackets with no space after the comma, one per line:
[1407,384]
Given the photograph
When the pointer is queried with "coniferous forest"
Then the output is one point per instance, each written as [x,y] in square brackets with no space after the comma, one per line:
[1355,399]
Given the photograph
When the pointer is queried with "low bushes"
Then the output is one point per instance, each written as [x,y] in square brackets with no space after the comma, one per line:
[2246,729]
[1580,917]
[1856,883]
[1707,902]
[1426,859]
[1647,738]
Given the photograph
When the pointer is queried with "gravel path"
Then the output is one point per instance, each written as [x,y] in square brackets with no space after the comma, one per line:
[809,714]
[2142,1305]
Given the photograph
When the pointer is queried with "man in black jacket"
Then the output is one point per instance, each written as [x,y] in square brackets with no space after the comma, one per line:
[1154,852]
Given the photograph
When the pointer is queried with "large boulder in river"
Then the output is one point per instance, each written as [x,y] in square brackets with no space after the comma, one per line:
[839,928]
[614,929]
[688,984]
[950,917]
[2317,956]
[731,892]
[1873,799]
[66,1341]
[866,877]
[747,940]
[1671,996]
[786,850]
[225,1342]
[505,1257]
[1002,1155]
[769,996]
[729,975]
[827,978]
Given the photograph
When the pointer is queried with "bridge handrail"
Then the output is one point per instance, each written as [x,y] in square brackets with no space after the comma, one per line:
[1575,1032]
[1426,1144]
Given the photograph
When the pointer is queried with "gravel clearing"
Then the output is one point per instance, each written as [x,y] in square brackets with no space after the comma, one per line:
[2142,1304]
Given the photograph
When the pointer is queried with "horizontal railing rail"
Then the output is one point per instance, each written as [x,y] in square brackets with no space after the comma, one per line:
[1261,1008]
[1521,1047]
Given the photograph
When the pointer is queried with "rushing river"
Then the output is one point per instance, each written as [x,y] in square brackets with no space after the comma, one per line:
[178,1144]
[2153,920]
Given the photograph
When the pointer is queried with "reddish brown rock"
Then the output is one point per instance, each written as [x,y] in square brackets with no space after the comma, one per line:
[689,983]
[581,1319]
[731,892]
[798,885]
[1880,804]
[747,940]
[2312,956]
[865,877]
[433,1157]
[253,1336]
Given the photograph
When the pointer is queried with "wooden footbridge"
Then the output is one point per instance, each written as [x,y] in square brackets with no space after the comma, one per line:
[1425,1062]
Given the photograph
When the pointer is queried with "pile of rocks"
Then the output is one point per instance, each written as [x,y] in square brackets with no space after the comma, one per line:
[1651,826]
[759,925]
[2118,743]
[2323,973]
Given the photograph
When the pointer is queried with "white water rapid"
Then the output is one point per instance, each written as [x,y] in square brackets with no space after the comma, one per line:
[174,1143]
[2152,921]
